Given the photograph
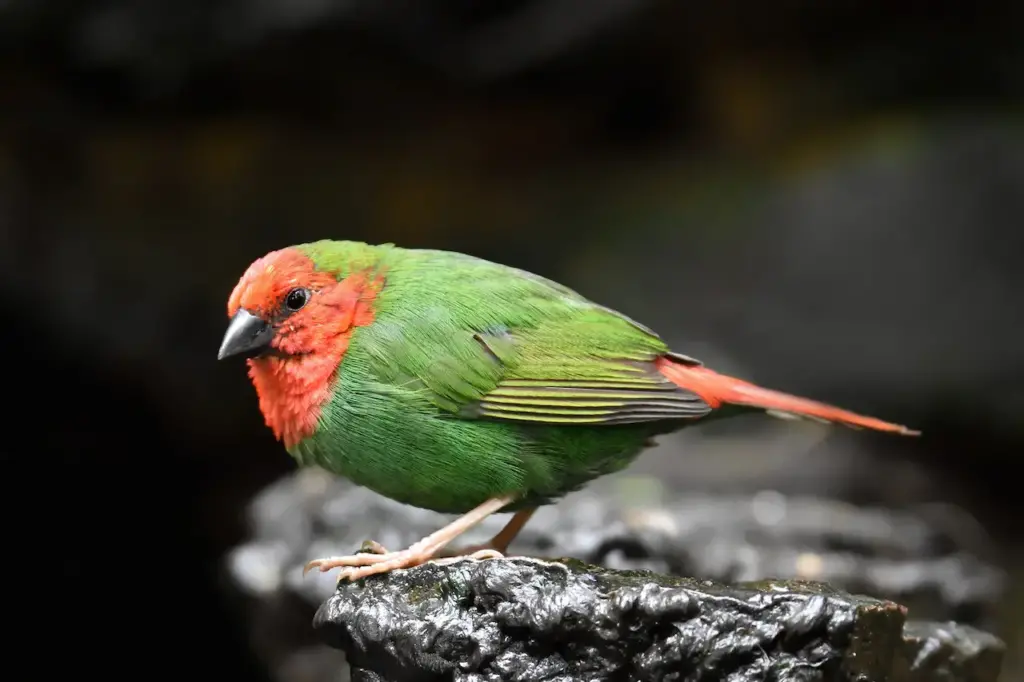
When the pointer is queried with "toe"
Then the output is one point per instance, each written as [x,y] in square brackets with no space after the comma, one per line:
[372,547]
[310,565]
[353,560]
[356,573]
[478,555]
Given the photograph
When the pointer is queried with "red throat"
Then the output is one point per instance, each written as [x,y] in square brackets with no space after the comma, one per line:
[294,386]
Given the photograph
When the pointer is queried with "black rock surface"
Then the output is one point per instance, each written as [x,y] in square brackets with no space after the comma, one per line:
[931,560]
[527,619]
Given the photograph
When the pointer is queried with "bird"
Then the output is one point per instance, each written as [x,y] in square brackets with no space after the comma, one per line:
[464,386]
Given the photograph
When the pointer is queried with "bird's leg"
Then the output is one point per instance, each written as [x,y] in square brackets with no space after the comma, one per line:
[494,548]
[356,566]
[498,545]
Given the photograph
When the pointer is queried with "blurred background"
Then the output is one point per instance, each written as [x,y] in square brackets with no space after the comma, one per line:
[824,197]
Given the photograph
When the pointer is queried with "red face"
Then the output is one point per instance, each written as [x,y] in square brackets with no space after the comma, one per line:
[279,305]
[295,323]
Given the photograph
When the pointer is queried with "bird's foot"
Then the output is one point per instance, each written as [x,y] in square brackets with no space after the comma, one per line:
[478,555]
[371,547]
[472,550]
[364,563]
[372,558]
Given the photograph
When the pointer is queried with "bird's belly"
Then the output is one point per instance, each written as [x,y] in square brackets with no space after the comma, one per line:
[443,465]
[452,466]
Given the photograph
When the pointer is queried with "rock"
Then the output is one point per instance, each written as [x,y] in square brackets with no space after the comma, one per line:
[925,560]
[943,652]
[527,619]
[930,560]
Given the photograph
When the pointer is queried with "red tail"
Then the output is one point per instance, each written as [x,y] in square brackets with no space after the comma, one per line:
[717,389]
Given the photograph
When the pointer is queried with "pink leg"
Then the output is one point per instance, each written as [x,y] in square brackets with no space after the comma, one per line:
[356,566]
[498,545]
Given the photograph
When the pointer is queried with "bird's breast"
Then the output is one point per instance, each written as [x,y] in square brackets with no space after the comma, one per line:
[292,392]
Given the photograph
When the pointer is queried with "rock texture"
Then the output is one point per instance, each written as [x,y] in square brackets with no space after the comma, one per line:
[944,652]
[526,619]
[931,560]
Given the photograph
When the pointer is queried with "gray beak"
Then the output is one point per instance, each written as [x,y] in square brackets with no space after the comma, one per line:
[246,334]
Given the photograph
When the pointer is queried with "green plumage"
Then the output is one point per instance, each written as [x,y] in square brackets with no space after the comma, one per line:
[477,380]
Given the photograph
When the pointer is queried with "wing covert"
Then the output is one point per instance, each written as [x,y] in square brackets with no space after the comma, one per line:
[579,387]
[484,341]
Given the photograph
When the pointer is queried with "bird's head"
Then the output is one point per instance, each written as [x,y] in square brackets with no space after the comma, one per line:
[281,307]
[294,320]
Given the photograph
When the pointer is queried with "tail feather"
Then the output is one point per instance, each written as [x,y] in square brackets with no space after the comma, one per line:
[718,389]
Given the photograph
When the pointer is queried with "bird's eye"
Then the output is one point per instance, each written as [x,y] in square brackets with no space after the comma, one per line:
[296,298]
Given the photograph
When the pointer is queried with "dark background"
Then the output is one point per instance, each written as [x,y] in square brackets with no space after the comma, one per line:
[825,197]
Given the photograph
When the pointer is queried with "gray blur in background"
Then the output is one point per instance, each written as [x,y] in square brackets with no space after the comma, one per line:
[827,199]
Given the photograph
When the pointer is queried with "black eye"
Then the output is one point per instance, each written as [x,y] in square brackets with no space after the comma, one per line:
[296,298]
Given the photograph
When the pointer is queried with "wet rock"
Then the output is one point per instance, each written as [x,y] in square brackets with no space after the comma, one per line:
[931,560]
[927,560]
[526,619]
[943,652]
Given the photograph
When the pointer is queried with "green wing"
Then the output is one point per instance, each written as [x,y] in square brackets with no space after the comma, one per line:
[588,370]
[524,349]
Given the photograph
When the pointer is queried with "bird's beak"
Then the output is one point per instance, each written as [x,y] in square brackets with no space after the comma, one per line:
[246,334]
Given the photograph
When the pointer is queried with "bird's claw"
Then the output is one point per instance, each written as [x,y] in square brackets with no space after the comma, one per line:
[369,552]
[356,560]
[366,563]
[478,555]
